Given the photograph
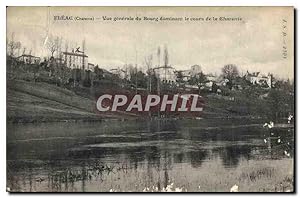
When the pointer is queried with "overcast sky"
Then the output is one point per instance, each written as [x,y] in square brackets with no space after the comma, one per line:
[254,43]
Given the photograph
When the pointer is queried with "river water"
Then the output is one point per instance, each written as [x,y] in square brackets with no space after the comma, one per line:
[195,155]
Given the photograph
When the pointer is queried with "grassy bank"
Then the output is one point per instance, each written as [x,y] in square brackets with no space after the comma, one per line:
[29,101]
[249,176]
[43,102]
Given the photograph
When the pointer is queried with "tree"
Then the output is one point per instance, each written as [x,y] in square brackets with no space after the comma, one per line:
[53,45]
[138,78]
[199,80]
[214,88]
[279,103]
[99,73]
[151,77]
[19,46]
[284,85]
[179,77]
[166,56]
[230,72]
[13,45]
[158,56]
[132,73]
[148,62]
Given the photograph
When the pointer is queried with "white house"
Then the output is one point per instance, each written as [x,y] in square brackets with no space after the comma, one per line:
[29,59]
[212,78]
[120,72]
[75,60]
[259,78]
[166,74]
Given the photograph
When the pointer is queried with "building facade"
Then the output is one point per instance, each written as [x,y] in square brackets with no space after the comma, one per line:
[187,74]
[259,78]
[195,69]
[29,59]
[121,73]
[91,67]
[166,74]
[75,60]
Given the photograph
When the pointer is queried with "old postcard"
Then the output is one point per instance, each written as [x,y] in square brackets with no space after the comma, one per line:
[150,99]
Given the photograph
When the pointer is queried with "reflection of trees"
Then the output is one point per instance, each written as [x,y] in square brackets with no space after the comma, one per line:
[231,155]
[153,155]
[89,153]
[197,157]
[178,157]
[64,178]
[163,125]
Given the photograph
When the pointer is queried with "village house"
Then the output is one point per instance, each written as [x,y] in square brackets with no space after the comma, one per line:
[259,78]
[187,74]
[75,60]
[106,74]
[167,74]
[91,67]
[119,72]
[29,59]
[195,69]
[212,78]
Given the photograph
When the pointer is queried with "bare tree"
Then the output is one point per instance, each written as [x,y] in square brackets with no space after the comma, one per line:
[52,45]
[30,56]
[132,72]
[126,72]
[166,56]
[13,45]
[24,50]
[230,71]
[19,46]
[158,56]
[148,62]
[66,46]
[59,47]
[199,79]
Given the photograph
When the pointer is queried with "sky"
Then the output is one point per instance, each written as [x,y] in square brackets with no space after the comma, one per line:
[253,43]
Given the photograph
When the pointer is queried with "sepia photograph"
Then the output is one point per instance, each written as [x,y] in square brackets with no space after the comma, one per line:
[150,99]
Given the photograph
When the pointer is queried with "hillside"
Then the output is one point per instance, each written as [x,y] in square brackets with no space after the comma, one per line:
[43,102]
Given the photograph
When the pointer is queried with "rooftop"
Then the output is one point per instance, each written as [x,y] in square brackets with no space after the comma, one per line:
[75,54]
[28,55]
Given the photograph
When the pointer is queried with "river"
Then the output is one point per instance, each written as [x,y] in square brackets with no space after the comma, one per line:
[189,155]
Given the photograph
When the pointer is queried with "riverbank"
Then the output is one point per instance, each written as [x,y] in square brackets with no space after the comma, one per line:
[42,102]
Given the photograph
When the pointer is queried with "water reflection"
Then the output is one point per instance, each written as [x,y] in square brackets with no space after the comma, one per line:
[99,156]
[231,155]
